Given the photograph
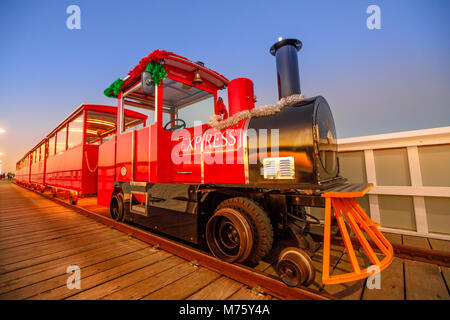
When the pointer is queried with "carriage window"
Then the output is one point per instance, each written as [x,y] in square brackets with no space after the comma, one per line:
[42,152]
[51,145]
[75,132]
[98,126]
[61,136]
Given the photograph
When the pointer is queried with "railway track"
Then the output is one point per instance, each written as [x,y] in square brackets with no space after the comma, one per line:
[248,276]
[441,258]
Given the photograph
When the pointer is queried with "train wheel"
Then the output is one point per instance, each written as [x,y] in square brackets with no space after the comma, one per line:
[295,267]
[229,235]
[258,219]
[116,208]
[73,198]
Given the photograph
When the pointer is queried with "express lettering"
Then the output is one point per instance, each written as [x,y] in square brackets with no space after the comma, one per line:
[212,140]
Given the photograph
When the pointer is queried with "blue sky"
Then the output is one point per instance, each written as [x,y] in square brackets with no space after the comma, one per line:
[375,81]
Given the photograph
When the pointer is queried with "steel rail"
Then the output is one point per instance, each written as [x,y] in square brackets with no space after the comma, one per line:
[441,258]
[243,274]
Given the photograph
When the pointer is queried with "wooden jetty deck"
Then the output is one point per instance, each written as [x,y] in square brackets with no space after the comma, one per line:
[39,239]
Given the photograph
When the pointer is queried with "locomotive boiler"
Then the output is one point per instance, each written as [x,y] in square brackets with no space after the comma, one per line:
[242,180]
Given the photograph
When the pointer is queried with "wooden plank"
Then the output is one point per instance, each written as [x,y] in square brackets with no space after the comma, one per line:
[158,280]
[48,282]
[41,248]
[349,290]
[220,289]
[16,263]
[269,264]
[29,212]
[60,217]
[391,284]
[30,231]
[30,227]
[446,274]
[414,241]
[393,238]
[23,276]
[184,287]
[424,281]
[24,268]
[127,280]
[28,240]
[246,294]
[336,252]
[102,278]
[441,245]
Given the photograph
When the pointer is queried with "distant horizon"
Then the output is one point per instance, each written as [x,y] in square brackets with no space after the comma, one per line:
[389,80]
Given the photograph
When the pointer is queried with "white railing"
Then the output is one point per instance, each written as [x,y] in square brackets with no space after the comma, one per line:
[410,140]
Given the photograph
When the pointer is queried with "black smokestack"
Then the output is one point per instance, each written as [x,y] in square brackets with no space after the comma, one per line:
[285,52]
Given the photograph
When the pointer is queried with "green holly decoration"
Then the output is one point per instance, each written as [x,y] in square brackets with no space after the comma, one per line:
[157,71]
[114,89]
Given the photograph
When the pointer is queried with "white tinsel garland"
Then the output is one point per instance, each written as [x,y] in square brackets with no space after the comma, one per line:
[264,111]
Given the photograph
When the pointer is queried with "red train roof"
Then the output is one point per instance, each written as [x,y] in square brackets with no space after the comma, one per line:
[98,108]
[177,61]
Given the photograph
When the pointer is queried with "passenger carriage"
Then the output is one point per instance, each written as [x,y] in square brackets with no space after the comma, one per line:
[67,159]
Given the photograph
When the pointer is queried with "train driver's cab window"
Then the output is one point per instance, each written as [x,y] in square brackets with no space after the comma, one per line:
[138,110]
[185,105]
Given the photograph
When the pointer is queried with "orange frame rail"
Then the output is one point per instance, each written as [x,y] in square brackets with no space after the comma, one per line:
[345,206]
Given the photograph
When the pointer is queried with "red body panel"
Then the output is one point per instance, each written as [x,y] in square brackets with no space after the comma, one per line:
[106,170]
[188,149]
[240,95]
[23,173]
[37,173]
[90,170]
[142,155]
[124,156]
[65,169]
[228,166]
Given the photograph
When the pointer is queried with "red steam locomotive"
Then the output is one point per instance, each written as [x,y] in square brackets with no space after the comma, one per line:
[237,181]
